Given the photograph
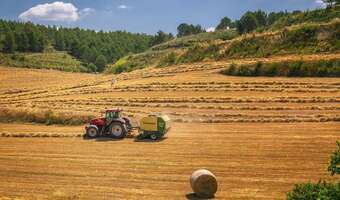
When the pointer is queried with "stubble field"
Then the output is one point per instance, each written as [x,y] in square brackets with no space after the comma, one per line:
[259,135]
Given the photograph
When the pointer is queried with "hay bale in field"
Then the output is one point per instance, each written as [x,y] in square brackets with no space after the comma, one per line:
[203,183]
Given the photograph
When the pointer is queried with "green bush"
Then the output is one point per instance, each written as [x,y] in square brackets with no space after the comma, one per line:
[231,69]
[334,165]
[321,190]
[295,69]
[258,69]
[92,67]
[311,191]
[300,68]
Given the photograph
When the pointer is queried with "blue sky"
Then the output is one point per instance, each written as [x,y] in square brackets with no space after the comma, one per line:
[147,16]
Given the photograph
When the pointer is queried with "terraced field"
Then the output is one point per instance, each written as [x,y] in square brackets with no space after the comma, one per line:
[260,135]
[196,93]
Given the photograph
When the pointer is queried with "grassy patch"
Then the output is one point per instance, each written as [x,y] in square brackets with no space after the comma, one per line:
[47,117]
[137,61]
[169,59]
[192,40]
[199,53]
[300,68]
[47,60]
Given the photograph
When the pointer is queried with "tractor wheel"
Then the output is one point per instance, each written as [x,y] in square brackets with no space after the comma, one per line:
[117,130]
[154,136]
[92,132]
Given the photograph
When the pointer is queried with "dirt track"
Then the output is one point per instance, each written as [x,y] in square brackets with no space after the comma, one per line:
[251,161]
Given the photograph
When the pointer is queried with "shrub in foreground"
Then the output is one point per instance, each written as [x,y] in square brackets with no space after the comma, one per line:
[334,165]
[321,190]
[311,191]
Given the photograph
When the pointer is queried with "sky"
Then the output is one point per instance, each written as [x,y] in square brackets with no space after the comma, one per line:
[140,16]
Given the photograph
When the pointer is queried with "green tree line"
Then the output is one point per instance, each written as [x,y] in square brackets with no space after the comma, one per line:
[248,22]
[260,20]
[253,20]
[94,49]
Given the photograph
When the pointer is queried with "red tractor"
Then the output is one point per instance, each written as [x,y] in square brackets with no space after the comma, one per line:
[112,124]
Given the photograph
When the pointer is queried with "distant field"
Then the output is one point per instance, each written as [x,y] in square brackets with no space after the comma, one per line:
[188,93]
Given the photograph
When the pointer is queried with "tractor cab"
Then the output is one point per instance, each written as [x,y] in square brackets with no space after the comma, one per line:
[112,114]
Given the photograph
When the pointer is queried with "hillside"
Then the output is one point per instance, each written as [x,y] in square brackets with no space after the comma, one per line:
[313,16]
[308,32]
[300,39]
[167,53]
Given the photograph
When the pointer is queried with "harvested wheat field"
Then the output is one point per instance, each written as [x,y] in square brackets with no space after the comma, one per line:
[258,135]
[250,160]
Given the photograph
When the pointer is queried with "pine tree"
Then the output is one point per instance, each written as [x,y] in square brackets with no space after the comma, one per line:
[9,44]
[22,42]
[60,42]
[100,63]
[33,41]
[331,2]
[261,17]
[247,23]
[224,24]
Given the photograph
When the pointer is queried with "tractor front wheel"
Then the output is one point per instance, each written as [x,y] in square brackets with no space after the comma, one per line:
[92,132]
[117,130]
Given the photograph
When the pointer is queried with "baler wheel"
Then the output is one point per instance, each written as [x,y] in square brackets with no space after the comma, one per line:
[153,136]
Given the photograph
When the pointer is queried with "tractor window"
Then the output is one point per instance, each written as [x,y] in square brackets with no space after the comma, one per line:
[112,115]
[108,115]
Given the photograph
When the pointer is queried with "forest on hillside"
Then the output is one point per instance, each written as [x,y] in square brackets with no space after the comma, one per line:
[95,49]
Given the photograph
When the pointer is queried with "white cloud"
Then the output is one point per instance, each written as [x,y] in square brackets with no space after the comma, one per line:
[86,11]
[123,7]
[320,3]
[56,11]
[210,29]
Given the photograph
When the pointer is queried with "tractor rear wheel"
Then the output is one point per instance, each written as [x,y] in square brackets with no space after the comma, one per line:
[117,130]
[92,132]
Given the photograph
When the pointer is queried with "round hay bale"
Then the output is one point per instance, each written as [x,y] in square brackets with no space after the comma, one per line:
[203,183]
